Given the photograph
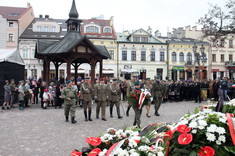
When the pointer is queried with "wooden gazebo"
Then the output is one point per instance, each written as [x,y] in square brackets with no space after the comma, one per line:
[73,49]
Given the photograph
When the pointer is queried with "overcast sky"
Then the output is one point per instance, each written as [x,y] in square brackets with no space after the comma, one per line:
[162,15]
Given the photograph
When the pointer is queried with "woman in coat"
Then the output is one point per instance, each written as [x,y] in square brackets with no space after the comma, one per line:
[7,98]
[21,95]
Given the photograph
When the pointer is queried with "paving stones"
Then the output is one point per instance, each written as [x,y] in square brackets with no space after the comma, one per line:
[38,132]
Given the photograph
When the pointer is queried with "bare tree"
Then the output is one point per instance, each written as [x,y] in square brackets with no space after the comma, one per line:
[219,21]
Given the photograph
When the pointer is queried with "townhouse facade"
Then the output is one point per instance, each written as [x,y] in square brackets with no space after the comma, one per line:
[14,20]
[141,54]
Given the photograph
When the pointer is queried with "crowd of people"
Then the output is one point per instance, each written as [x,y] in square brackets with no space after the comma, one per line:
[109,92]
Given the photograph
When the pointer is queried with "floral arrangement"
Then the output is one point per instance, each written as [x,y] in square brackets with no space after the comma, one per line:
[136,96]
[127,142]
[27,93]
[202,134]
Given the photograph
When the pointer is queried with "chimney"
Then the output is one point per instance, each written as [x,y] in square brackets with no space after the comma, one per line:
[28,5]
[194,28]
[46,16]
[149,30]
[169,35]
[40,16]
[157,33]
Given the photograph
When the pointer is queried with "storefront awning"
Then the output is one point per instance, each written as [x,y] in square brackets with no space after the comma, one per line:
[79,71]
[178,68]
[129,71]
[107,71]
[214,70]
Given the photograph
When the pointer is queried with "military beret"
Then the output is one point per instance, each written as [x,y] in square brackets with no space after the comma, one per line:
[101,79]
[148,79]
[68,81]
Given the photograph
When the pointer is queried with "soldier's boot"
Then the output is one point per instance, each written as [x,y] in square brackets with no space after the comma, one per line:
[118,113]
[134,124]
[67,119]
[89,113]
[111,111]
[73,121]
[85,114]
[156,113]
[127,111]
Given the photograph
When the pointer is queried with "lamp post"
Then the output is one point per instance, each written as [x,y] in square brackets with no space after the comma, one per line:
[28,70]
[199,57]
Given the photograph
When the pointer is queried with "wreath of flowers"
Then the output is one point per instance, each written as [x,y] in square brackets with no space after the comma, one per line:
[135,96]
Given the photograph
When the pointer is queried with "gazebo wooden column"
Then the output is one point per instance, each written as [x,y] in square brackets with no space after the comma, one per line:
[101,68]
[46,69]
[93,63]
[76,65]
[57,65]
[68,69]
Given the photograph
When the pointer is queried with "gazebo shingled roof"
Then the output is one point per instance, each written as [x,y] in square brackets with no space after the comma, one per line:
[73,48]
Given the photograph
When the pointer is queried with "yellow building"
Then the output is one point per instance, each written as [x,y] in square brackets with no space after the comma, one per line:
[182,60]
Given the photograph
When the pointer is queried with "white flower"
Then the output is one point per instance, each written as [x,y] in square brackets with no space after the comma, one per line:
[220,130]
[210,137]
[144,148]
[202,122]
[128,132]
[222,138]
[102,153]
[222,120]
[201,127]
[212,128]
[145,140]
[121,152]
[160,153]
[193,124]
[218,142]
[194,131]
[132,151]
[132,143]
[134,154]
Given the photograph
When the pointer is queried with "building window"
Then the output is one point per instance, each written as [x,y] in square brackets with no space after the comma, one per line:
[107,30]
[61,72]
[111,42]
[10,37]
[143,56]
[136,39]
[222,57]
[152,56]
[92,29]
[39,28]
[52,29]
[133,55]
[46,29]
[222,42]
[102,42]
[181,57]
[189,57]
[25,52]
[124,55]
[214,43]
[231,43]
[11,24]
[173,57]
[144,39]
[32,53]
[162,56]
[230,57]
[111,53]
[213,57]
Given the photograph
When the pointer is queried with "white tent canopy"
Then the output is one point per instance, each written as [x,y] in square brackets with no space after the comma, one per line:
[11,55]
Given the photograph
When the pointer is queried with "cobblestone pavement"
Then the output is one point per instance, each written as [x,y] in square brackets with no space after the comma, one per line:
[37,132]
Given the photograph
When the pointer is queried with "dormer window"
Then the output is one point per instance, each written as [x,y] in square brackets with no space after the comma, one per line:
[107,30]
[136,39]
[144,39]
[140,39]
[92,29]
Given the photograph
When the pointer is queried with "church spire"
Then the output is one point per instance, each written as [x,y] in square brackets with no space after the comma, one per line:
[73,11]
[73,23]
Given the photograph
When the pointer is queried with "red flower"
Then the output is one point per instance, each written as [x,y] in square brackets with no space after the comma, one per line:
[185,139]
[133,95]
[183,129]
[76,153]
[206,151]
[93,141]
[138,93]
[136,98]
[94,152]
[168,134]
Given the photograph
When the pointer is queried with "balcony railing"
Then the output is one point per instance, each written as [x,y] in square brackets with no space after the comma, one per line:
[229,63]
[189,63]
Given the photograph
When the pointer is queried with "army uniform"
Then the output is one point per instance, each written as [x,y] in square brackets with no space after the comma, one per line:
[157,93]
[70,97]
[148,87]
[115,95]
[86,96]
[13,93]
[130,88]
[101,96]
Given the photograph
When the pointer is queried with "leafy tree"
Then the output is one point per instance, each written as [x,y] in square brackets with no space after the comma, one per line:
[219,21]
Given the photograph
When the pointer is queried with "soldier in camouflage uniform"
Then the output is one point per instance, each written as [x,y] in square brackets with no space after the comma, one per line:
[101,96]
[13,92]
[115,95]
[157,94]
[69,94]
[86,96]
[148,86]
[131,86]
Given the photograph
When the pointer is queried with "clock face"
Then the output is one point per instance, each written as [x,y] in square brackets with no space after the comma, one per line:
[231,123]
